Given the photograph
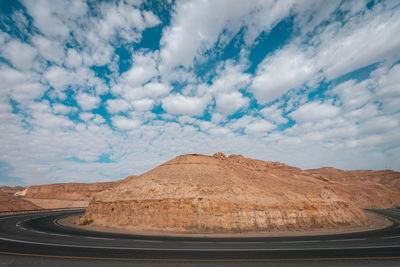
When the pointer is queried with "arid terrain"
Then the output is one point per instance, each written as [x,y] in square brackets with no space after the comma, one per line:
[198,193]
[64,195]
[10,202]
[209,194]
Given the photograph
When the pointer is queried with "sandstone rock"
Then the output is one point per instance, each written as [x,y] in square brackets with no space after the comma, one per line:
[197,193]
[65,195]
[10,202]
[11,189]
[367,188]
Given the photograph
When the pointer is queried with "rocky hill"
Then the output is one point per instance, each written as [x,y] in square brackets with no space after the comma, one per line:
[227,194]
[11,189]
[367,188]
[10,202]
[65,194]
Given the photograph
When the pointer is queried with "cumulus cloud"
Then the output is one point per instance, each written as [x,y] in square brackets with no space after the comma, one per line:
[179,104]
[314,112]
[87,101]
[81,83]
[287,68]
[117,105]
[189,34]
[124,123]
[144,104]
[231,102]
[273,113]
[20,54]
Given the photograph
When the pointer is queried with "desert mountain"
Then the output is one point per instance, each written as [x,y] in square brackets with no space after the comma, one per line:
[10,202]
[11,189]
[217,193]
[367,188]
[65,194]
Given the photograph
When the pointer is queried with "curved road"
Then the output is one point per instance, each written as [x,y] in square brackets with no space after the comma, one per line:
[39,235]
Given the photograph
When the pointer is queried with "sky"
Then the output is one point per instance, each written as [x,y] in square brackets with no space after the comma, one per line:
[95,91]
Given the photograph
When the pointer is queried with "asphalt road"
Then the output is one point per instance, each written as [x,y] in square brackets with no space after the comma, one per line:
[28,238]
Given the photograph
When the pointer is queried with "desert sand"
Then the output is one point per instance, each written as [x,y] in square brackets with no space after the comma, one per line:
[219,194]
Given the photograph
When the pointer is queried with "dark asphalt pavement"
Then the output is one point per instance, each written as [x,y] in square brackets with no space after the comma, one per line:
[29,238]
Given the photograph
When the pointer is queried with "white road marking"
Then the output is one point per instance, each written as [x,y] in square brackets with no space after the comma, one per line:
[100,238]
[297,242]
[39,232]
[346,240]
[18,224]
[245,242]
[150,241]
[58,234]
[197,249]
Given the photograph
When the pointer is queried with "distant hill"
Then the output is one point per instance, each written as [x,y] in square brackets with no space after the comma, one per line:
[11,189]
[64,194]
[10,202]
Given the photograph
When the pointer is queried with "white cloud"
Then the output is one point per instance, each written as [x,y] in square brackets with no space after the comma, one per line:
[63,109]
[252,125]
[230,79]
[58,77]
[124,123]
[73,59]
[314,112]
[360,42]
[87,101]
[179,104]
[287,68]
[273,113]
[259,127]
[144,104]
[21,55]
[353,94]
[388,89]
[50,50]
[143,69]
[117,105]
[231,102]
[190,34]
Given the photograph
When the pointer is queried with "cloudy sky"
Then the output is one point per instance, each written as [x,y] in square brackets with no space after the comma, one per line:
[95,91]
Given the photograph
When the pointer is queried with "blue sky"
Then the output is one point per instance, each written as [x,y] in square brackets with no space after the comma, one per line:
[96,91]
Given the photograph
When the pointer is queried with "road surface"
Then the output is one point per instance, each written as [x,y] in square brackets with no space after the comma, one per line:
[26,238]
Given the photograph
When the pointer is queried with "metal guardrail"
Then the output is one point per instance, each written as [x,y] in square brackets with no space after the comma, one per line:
[10,212]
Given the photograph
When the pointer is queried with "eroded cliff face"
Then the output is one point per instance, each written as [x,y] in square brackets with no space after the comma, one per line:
[65,195]
[68,191]
[211,216]
[366,188]
[198,193]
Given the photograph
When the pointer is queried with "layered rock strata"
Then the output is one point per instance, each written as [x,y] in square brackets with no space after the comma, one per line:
[197,193]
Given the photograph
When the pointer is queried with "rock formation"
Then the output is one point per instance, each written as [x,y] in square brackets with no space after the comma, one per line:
[11,189]
[10,202]
[368,189]
[65,194]
[224,194]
